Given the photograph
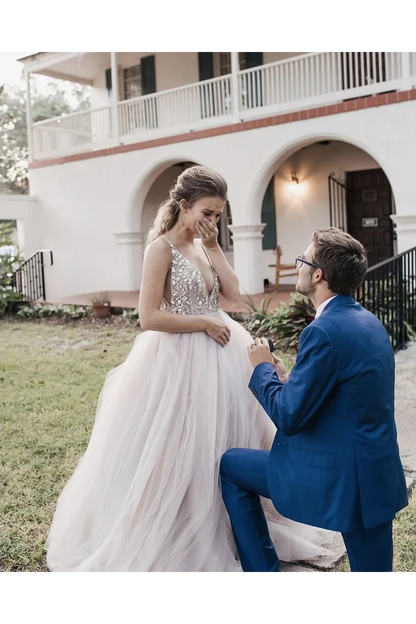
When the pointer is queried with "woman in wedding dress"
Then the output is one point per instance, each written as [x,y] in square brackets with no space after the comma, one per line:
[145,496]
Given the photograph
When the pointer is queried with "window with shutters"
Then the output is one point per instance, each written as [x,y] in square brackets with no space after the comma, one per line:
[132,81]
[225,62]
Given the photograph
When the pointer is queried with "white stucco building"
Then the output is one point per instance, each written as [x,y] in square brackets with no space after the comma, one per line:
[303,140]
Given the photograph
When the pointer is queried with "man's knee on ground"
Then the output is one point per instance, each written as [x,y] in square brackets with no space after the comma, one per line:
[227,462]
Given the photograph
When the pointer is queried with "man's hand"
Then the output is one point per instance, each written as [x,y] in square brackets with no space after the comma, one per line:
[280,369]
[259,352]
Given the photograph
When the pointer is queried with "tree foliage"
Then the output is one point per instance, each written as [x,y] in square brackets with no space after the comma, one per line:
[10,257]
[13,132]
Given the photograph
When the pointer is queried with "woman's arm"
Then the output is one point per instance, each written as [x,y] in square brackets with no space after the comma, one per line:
[157,262]
[230,288]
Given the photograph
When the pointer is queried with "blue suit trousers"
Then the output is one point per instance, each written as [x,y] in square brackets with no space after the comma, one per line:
[243,481]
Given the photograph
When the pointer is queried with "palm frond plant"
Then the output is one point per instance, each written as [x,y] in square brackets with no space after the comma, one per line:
[258,315]
[262,311]
[284,324]
[287,332]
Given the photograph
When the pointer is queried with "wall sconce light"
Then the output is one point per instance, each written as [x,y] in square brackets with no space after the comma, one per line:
[295,187]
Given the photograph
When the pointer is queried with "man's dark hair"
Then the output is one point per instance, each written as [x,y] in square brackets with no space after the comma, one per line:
[342,259]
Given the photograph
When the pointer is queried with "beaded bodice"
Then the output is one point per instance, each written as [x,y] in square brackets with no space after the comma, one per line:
[189,293]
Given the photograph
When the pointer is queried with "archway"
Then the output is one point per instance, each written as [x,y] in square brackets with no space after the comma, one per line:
[327,182]
[149,193]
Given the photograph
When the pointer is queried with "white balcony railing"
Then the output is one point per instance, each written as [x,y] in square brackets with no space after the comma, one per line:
[317,77]
[193,104]
[293,84]
[71,134]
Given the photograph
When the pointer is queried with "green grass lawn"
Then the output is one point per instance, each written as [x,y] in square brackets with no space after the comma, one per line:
[404,538]
[50,380]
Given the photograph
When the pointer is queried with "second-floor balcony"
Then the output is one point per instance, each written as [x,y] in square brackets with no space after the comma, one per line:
[291,84]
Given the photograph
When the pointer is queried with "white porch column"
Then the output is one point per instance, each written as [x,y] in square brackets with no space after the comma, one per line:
[405,230]
[235,68]
[248,259]
[115,98]
[29,119]
[133,243]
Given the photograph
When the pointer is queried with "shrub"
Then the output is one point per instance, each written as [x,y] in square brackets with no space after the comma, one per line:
[9,301]
[10,256]
[39,310]
[132,315]
[285,323]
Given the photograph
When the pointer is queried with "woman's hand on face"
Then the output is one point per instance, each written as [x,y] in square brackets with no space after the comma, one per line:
[218,330]
[208,233]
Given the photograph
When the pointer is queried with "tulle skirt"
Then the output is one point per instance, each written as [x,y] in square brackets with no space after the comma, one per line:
[146,496]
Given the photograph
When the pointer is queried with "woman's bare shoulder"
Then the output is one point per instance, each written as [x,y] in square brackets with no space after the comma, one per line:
[159,248]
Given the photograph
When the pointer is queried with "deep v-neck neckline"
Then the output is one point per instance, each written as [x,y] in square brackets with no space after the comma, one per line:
[197,270]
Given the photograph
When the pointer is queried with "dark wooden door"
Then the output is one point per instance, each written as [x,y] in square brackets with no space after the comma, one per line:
[369,207]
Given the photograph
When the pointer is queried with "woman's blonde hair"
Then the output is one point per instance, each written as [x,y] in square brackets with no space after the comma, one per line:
[191,185]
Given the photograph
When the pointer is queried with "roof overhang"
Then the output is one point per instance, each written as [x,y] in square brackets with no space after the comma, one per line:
[60,65]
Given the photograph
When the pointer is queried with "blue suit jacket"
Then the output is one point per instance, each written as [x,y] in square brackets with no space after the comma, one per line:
[335,460]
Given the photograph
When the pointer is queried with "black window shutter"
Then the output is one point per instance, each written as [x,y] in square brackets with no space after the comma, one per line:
[108,81]
[205,65]
[268,216]
[253,59]
[148,75]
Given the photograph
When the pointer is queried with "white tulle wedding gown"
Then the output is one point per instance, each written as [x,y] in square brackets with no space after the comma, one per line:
[146,496]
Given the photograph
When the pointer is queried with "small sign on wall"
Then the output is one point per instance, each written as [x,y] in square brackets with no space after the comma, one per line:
[370,222]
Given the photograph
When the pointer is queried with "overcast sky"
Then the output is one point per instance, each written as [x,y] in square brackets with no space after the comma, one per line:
[11,73]
[10,69]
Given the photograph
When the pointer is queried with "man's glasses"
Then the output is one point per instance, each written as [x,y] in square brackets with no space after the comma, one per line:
[300,261]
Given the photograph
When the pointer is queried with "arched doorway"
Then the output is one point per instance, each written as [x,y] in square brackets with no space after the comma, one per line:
[224,234]
[159,191]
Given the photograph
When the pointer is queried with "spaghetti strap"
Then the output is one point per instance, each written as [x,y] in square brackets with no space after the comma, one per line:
[209,259]
[168,242]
